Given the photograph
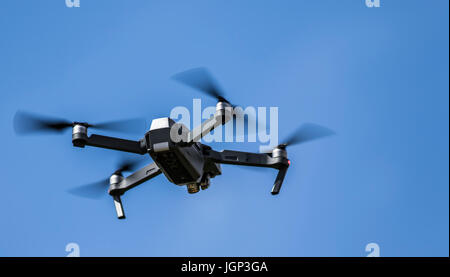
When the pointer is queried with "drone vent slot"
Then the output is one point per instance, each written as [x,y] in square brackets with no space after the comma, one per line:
[234,158]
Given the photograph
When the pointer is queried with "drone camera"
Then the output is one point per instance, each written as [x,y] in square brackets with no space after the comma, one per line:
[205,182]
[193,188]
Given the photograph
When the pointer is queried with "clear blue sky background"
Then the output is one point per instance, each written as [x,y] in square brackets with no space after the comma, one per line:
[378,77]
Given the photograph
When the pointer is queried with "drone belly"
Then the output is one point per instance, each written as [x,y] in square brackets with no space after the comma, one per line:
[181,165]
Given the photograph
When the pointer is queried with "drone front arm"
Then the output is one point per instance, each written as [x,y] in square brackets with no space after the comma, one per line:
[81,139]
[125,145]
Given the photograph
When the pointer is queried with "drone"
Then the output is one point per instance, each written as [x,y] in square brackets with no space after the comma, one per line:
[175,150]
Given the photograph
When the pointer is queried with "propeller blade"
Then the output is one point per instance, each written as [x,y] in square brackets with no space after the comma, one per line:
[126,125]
[200,79]
[307,132]
[26,123]
[92,191]
[97,189]
[128,165]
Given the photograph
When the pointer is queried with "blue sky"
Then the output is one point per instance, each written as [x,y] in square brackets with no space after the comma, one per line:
[378,77]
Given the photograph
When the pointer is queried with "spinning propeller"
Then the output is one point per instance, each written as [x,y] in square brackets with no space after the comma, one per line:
[97,189]
[26,123]
[201,80]
[304,133]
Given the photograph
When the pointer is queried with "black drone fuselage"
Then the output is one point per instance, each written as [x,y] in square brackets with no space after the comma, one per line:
[182,163]
[178,154]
